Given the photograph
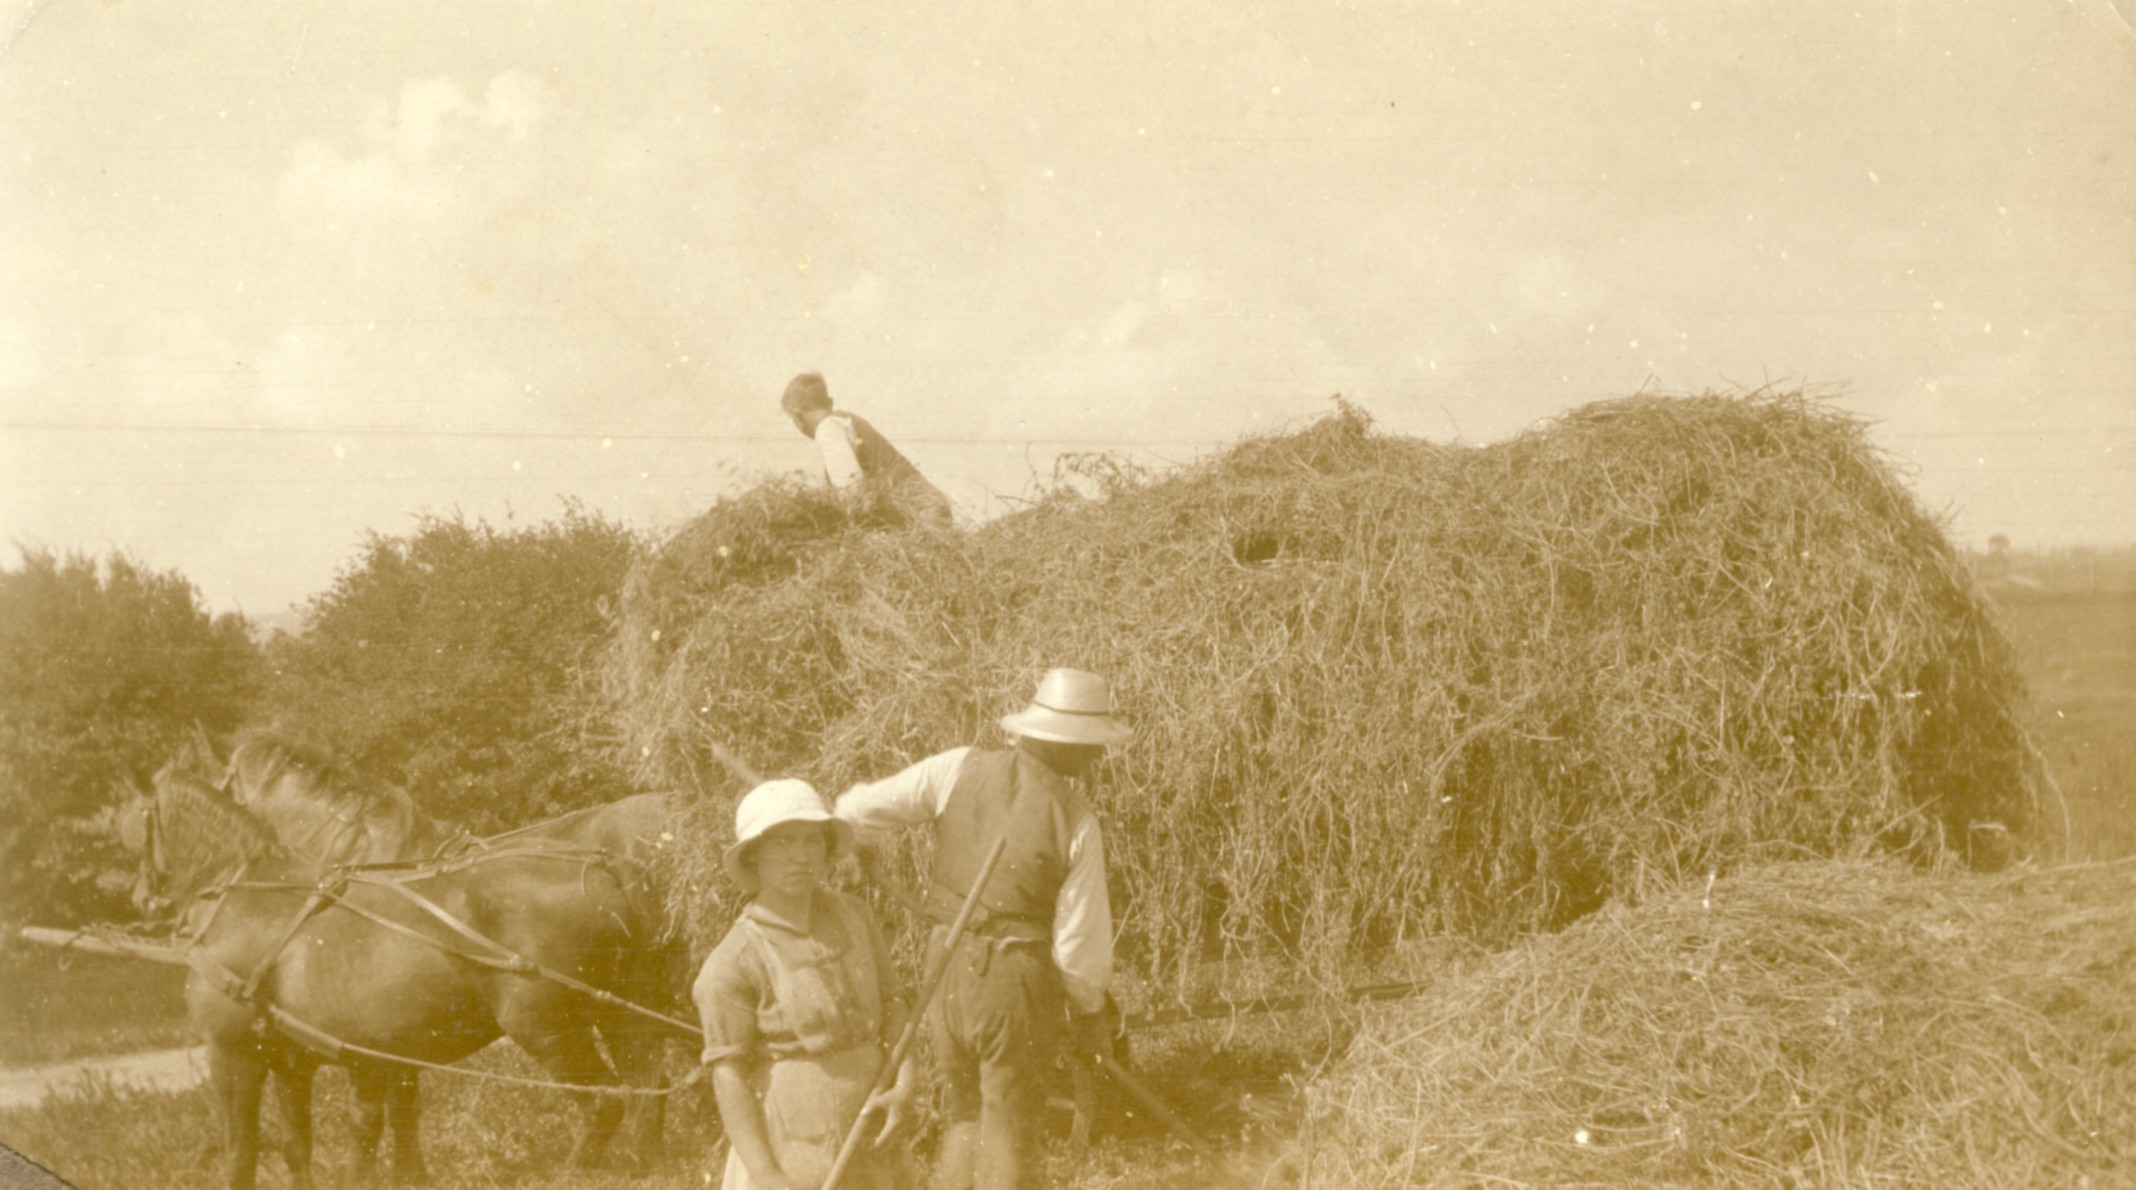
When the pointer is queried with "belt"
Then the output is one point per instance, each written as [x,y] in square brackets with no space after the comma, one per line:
[991,923]
[979,949]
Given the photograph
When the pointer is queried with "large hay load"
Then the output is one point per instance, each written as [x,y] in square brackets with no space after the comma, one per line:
[1381,687]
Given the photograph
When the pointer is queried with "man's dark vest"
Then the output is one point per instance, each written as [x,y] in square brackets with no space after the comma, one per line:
[1008,792]
[879,460]
[881,464]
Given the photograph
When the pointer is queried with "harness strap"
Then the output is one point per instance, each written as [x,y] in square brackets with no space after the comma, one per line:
[333,1049]
[317,1040]
[418,869]
[327,889]
[216,972]
[512,960]
[508,962]
[336,1050]
[521,965]
[245,989]
[219,895]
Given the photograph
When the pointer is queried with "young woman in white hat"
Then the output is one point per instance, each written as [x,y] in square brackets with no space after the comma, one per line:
[800,1004]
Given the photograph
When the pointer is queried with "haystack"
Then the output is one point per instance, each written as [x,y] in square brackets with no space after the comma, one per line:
[1381,687]
[1822,1024]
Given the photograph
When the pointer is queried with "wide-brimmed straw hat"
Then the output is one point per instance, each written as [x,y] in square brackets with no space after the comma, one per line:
[767,806]
[1072,706]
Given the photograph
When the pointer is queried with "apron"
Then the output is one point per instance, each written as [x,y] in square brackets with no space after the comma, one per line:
[810,1100]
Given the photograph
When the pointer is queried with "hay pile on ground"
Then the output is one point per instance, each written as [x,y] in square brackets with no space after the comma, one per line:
[1381,687]
[1827,1024]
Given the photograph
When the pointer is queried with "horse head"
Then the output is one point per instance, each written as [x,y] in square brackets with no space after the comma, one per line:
[136,822]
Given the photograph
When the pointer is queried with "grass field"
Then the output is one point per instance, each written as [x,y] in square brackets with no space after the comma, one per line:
[486,1135]
[2078,654]
[56,1006]
[1241,1083]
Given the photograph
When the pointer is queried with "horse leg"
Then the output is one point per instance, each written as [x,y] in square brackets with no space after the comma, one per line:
[567,1052]
[368,1087]
[403,1114]
[239,1074]
[636,1047]
[293,1073]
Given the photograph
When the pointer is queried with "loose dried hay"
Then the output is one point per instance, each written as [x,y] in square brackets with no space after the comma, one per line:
[1381,687]
[1829,1023]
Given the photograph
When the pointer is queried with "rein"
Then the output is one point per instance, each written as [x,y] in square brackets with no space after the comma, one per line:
[335,1049]
[477,854]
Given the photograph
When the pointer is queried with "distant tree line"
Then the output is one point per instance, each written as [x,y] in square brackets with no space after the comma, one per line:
[447,660]
[2056,570]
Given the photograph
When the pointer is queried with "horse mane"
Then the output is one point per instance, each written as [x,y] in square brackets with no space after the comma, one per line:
[201,825]
[271,770]
[264,756]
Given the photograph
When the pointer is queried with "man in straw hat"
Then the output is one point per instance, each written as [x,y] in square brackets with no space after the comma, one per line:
[1042,931]
[800,1005]
[855,454]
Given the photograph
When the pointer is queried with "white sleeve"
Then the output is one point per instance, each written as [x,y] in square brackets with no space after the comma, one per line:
[840,448]
[906,798]
[1082,921]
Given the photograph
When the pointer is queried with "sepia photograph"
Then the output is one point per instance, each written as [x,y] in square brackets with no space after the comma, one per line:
[784,596]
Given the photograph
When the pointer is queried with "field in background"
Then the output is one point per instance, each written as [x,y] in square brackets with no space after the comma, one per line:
[2078,653]
[56,1006]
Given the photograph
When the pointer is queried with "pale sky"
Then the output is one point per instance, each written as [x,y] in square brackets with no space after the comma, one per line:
[272,274]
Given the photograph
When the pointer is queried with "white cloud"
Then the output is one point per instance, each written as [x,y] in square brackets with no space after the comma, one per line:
[413,165]
[860,304]
[513,103]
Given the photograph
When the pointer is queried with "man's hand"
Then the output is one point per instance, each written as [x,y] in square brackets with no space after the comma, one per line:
[893,1102]
[1092,1033]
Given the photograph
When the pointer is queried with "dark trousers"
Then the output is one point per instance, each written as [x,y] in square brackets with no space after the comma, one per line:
[996,1030]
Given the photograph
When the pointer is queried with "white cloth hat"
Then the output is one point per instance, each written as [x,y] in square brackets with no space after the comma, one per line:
[767,806]
[1072,706]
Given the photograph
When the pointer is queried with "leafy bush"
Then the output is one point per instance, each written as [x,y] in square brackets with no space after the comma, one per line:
[102,668]
[446,661]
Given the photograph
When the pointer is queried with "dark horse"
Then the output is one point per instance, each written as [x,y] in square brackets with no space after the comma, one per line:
[318,809]
[295,963]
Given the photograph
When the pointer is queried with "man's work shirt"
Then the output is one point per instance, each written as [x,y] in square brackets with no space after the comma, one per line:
[1082,913]
[838,441]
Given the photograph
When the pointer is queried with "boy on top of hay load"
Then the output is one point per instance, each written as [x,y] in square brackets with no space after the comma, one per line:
[1043,928]
[856,455]
[800,1005]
